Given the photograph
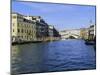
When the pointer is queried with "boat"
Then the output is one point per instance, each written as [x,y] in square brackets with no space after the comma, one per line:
[89,42]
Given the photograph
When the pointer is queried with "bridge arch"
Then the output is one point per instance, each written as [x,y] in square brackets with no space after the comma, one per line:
[72,37]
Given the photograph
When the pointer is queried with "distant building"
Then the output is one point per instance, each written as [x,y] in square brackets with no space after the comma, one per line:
[84,33]
[92,32]
[50,30]
[88,33]
[41,27]
[56,33]
[53,33]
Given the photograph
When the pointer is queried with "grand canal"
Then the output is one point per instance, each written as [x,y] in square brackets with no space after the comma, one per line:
[63,55]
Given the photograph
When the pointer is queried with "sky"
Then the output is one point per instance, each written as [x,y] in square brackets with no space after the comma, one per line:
[61,16]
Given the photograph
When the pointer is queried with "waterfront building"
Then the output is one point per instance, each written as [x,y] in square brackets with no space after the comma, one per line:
[56,33]
[88,33]
[92,32]
[22,28]
[53,33]
[50,32]
[31,28]
[84,33]
[28,28]
[41,27]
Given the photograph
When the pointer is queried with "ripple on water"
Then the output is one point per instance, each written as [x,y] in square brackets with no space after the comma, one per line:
[53,56]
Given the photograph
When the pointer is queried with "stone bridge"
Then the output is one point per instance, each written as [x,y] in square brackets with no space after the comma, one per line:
[66,36]
[74,33]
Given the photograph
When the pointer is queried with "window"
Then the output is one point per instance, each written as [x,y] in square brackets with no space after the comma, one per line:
[22,30]
[21,25]
[27,37]
[18,30]
[14,17]
[13,30]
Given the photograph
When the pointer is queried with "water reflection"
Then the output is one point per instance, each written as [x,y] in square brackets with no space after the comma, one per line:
[27,58]
[52,56]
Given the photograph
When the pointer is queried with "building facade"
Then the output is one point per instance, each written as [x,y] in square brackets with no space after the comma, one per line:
[56,33]
[84,33]
[53,33]
[41,27]
[22,28]
[31,28]
[50,32]
[92,33]
[88,33]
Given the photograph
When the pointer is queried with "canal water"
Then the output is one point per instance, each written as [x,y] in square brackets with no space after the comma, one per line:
[63,55]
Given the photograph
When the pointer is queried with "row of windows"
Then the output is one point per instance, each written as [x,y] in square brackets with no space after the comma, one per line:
[25,37]
[25,25]
[14,24]
[24,31]
[15,16]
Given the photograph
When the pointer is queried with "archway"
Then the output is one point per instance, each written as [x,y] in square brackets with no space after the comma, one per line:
[72,37]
